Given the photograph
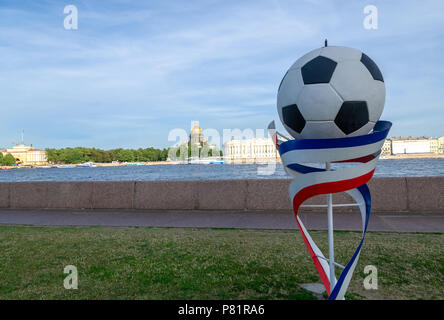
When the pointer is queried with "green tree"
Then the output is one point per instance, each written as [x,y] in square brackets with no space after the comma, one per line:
[74,155]
[8,160]
[164,154]
[125,155]
[81,154]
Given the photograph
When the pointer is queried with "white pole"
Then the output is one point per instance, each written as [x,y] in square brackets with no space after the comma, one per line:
[331,250]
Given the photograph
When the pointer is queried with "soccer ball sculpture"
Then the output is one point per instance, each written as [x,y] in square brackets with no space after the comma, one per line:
[330,102]
[331,92]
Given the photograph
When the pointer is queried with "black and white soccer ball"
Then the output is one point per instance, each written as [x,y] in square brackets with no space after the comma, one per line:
[331,92]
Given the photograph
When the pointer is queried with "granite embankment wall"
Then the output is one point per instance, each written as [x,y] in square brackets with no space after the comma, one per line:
[388,194]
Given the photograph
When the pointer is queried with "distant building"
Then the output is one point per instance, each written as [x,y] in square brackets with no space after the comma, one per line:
[198,140]
[250,150]
[434,144]
[387,147]
[410,146]
[27,154]
[441,145]
[196,135]
[196,147]
[413,145]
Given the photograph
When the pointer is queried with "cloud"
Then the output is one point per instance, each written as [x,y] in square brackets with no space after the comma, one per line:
[162,64]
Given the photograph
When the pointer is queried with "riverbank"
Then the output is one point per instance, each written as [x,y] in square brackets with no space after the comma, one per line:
[107,164]
[414,156]
[238,161]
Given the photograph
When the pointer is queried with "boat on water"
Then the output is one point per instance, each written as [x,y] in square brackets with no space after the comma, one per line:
[65,166]
[217,162]
[25,167]
[87,165]
[135,164]
[206,161]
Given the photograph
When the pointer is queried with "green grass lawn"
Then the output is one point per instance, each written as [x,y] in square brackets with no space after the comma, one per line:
[174,263]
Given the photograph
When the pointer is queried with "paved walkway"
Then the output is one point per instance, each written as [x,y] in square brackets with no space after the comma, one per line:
[393,222]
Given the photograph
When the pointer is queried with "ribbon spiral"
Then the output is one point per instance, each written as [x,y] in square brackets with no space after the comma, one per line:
[311,181]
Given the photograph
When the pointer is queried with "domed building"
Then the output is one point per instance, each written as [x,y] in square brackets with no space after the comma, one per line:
[196,135]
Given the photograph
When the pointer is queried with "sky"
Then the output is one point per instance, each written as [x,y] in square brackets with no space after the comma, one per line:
[135,70]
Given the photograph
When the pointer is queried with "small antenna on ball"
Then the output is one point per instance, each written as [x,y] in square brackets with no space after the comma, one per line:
[325,43]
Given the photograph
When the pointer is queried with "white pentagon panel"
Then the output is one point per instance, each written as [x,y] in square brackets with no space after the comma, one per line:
[319,102]
[305,58]
[363,130]
[353,82]
[339,54]
[376,100]
[290,89]
[321,130]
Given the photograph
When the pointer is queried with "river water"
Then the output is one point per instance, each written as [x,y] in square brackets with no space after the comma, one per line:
[385,168]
